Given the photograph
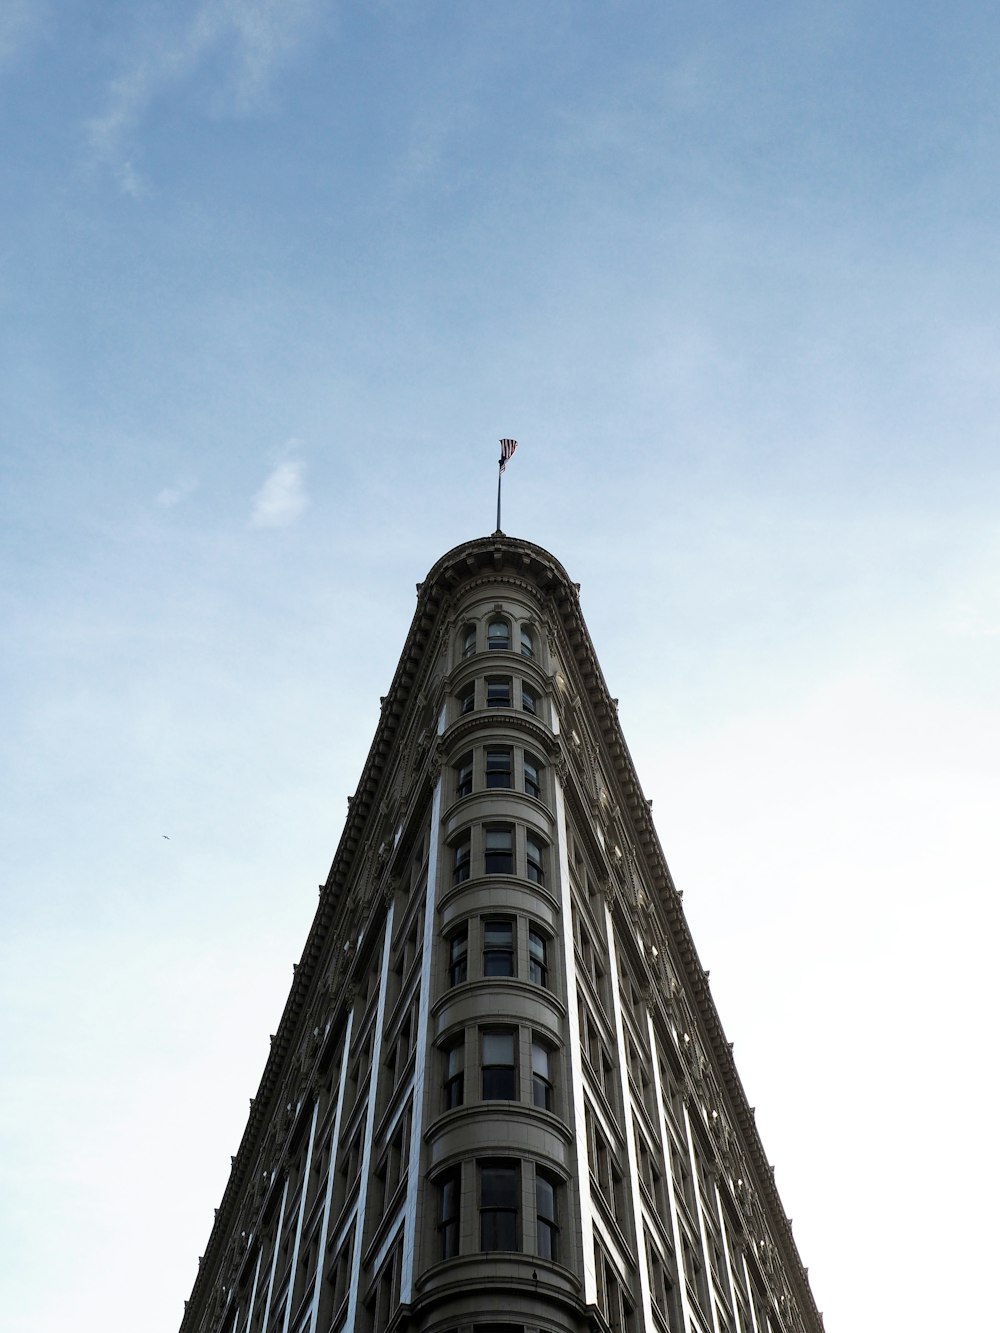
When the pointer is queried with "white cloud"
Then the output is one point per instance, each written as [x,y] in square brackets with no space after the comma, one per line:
[259,34]
[282,498]
[173,495]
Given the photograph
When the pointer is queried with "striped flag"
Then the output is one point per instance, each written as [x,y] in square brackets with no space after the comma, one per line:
[507,448]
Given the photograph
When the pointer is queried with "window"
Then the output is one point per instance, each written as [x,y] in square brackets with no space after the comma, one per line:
[499,1191]
[498,636]
[449,1202]
[499,851]
[468,640]
[463,857]
[498,693]
[534,858]
[467,699]
[498,948]
[454,1075]
[547,1228]
[527,642]
[458,957]
[538,971]
[529,700]
[532,776]
[541,1074]
[463,776]
[499,1074]
[499,768]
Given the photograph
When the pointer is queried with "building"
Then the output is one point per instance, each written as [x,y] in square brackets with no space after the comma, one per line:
[500,1099]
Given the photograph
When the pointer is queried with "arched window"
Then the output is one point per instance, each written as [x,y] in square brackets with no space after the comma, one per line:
[468,640]
[527,642]
[498,636]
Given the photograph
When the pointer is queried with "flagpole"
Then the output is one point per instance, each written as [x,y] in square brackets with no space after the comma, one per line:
[499,480]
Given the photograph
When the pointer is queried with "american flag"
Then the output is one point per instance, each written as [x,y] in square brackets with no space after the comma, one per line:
[507,448]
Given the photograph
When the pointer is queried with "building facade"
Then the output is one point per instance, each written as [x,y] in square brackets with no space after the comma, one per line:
[500,1099]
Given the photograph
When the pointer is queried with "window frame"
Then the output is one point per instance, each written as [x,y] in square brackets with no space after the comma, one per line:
[497,1069]
[491,1212]
[498,643]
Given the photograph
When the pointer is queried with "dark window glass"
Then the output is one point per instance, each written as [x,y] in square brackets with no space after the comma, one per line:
[463,856]
[534,856]
[468,640]
[541,1075]
[454,1076]
[450,1193]
[499,1079]
[458,957]
[467,699]
[499,851]
[529,700]
[499,768]
[538,971]
[498,948]
[527,642]
[498,1200]
[532,776]
[498,694]
[463,776]
[498,636]
[545,1212]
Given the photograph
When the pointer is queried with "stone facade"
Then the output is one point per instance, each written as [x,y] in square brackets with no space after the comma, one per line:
[500,1098]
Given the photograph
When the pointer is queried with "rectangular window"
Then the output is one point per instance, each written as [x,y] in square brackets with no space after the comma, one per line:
[529,701]
[533,852]
[467,699]
[463,776]
[499,1196]
[545,1215]
[498,948]
[499,1071]
[458,956]
[499,844]
[499,768]
[449,1200]
[541,1074]
[532,776]
[538,970]
[498,693]
[454,1075]
[463,860]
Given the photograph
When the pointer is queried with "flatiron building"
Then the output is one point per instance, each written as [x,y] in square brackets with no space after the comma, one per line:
[500,1098]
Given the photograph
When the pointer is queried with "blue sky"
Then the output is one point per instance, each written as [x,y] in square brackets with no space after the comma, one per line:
[274,278]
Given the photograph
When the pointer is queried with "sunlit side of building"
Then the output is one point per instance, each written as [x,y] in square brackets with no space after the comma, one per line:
[500,1098]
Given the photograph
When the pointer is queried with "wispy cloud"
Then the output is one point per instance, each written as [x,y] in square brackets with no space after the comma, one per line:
[256,35]
[282,498]
[173,495]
